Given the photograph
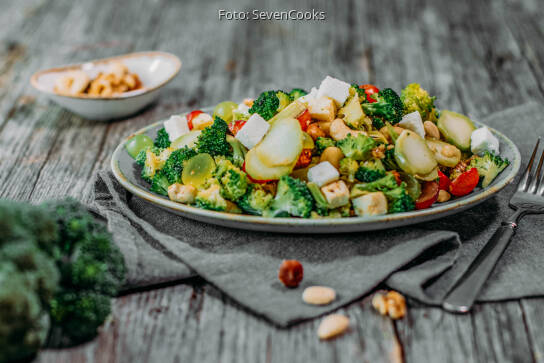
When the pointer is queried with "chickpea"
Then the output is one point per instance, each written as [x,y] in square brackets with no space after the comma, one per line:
[443,196]
[431,130]
[314,131]
[333,155]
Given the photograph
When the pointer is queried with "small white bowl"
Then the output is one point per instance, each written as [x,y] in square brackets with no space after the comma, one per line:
[155,69]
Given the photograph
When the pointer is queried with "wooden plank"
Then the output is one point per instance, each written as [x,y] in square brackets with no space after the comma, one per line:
[533,316]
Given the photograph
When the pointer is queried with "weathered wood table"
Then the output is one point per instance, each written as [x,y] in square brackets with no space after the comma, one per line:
[476,56]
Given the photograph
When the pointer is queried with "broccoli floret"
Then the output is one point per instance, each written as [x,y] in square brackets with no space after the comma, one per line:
[297,93]
[154,162]
[78,313]
[386,183]
[489,166]
[388,107]
[209,196]
[389,161]
[321,143]
[348,168]
[234,181]
[292,198]
[174,165]
[159,183]
[355,89]
[213,139]
[92,271]
[266,105]
[255,201]
[142,155]
[238,151]
[370,171]
[358,147]
[284,99]
[163,139]
[415,98]
[398,200]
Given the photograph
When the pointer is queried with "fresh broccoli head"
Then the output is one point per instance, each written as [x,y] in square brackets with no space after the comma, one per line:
[78,313]
[355,89]
[159,183]
[174,165]
[370,170]
[154,161]
[348,168]
[321,143]
[388,182]
[357,147]
[213,139]
[388,107]
[292,199]
[234,181]
[209,196]
[398,199]
[255,201]
[415,98]
[28,278]
[266,105]
[163,139]
[92,272]
[297,93]
[489,166]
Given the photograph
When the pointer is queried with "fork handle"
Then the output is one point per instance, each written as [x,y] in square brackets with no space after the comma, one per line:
[461,298]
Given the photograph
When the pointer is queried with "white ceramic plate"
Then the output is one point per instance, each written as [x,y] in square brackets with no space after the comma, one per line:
[127,172]
[155,69]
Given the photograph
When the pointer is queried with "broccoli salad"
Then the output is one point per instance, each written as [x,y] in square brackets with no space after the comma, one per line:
[340,150]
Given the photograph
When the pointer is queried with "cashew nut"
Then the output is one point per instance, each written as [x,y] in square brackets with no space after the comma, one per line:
[339,130]
[72,83]
[431,130]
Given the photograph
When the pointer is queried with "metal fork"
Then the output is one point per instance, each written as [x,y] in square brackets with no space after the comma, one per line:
[528,199]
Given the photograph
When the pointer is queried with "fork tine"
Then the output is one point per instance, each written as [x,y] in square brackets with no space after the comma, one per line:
[536,180]
[525,178]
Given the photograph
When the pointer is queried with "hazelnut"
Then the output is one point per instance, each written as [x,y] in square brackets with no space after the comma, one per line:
[443,196]
[333,155]
[291,273]
[392,303]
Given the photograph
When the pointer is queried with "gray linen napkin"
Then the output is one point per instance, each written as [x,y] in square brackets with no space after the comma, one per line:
[417,261]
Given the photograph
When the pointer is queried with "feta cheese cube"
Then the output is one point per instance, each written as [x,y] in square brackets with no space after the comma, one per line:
[176,126]
[253,131]
[371,204]
[413,121]
[309,97]
[483,140]
[334,88]
[337,194]
[201,121]
[323,173]
[322,108]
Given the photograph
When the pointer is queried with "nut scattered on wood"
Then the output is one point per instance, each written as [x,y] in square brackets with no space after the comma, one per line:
[431,130]
[392,303]
[291,273]
[332,325]
[443,196]
[318,295]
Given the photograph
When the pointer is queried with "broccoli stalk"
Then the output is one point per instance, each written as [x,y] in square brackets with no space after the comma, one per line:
[489,166]
[292,199]
[321,204]
[388,107]
[370,171]
[238,151]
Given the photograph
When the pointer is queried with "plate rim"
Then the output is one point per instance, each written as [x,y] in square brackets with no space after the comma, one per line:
[223,217]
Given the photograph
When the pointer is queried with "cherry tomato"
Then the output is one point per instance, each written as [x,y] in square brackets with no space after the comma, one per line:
[304,159]
[443,181]
[305,119]
[255,180]
[370,89]
[429,194]
[465,183]
[235,126]
[190,117]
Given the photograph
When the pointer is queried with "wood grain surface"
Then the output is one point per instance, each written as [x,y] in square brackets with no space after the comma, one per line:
[475,56]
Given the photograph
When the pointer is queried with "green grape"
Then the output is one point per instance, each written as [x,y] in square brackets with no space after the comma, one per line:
[224,110]
[198,169]
[138,143]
